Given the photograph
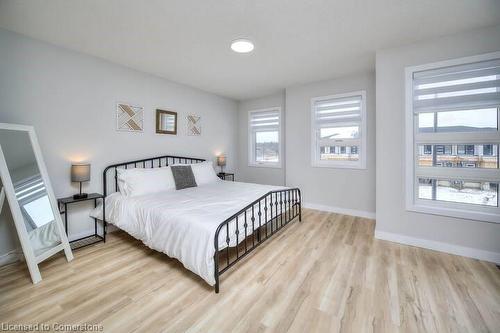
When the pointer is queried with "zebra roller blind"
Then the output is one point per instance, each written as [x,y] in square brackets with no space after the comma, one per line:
[265,120]
[475,85]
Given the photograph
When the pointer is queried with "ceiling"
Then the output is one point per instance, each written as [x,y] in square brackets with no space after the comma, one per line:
[296,41]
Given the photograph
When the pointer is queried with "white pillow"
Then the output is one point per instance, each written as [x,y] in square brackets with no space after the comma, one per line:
[204,173]
[134,182]
[122,187]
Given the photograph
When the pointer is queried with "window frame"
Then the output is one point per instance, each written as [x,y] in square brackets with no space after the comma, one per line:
[251,140]
[449,209]
[360,141]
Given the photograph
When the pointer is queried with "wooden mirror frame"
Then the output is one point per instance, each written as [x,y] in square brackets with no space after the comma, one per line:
[32,260]
[158,120]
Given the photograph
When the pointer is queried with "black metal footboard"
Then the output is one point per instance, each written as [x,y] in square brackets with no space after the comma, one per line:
[251,226]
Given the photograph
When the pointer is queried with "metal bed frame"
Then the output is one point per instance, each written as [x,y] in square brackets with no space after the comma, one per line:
[265,220]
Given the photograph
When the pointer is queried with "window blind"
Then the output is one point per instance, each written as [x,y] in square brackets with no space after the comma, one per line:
[265,120]
[29,189]
[329,112]
[461,87]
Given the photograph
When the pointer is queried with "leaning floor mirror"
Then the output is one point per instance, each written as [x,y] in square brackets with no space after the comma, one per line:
[26,186]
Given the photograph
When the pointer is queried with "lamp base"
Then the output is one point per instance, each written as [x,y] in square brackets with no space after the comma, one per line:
[80,196]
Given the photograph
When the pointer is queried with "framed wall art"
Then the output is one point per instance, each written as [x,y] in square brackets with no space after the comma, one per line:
[194,125]
[129,118]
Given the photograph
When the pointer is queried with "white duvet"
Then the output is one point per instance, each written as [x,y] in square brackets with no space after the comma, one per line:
[182,224]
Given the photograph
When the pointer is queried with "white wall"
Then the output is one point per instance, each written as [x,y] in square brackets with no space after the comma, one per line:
[70,100]
[260,175]
[348,191]
[472,238]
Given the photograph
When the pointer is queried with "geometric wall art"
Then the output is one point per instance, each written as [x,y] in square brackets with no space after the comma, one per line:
[129,118]
[194,125]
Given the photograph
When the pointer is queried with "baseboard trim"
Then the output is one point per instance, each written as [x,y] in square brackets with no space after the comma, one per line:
[463,251]
[10,257]
[338,210]
[17,255]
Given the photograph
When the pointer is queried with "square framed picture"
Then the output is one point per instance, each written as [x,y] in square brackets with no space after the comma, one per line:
[129,118]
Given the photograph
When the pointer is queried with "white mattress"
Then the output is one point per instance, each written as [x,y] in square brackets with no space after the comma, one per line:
[182,224]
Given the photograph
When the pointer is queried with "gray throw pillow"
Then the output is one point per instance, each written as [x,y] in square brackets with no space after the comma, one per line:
[183,177]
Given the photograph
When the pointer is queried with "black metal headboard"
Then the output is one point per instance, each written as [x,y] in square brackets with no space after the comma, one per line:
[153,162]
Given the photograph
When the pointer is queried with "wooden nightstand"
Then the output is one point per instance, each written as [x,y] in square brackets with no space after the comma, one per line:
[226,176]
[87,240]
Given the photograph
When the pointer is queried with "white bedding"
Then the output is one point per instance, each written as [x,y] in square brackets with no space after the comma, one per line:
[182,224]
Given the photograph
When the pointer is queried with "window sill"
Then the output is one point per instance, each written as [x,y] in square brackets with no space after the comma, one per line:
[265,165]
[454,213]
[338,166]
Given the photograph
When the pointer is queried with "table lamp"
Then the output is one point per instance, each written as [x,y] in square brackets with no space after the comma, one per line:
[221,161]
[80,173]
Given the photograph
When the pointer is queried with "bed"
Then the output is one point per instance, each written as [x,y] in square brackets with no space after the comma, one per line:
[208,228]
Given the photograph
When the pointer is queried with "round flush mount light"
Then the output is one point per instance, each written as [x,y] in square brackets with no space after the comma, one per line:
[242,45]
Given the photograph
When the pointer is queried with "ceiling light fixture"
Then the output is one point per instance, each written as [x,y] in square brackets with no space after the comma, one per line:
[242,45]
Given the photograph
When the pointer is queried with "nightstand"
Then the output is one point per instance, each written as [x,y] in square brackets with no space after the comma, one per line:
[226,176]
[87,240]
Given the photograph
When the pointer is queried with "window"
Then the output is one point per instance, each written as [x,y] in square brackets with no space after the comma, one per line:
[452,125]
[264,137]
[466,149]
[443,149]
[487,150]
[339,122]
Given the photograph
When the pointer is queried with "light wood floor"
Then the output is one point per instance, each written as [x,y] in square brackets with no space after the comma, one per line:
[326,274]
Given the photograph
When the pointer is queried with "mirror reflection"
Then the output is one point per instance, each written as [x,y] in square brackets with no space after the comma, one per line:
[166,122]
[30,190]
